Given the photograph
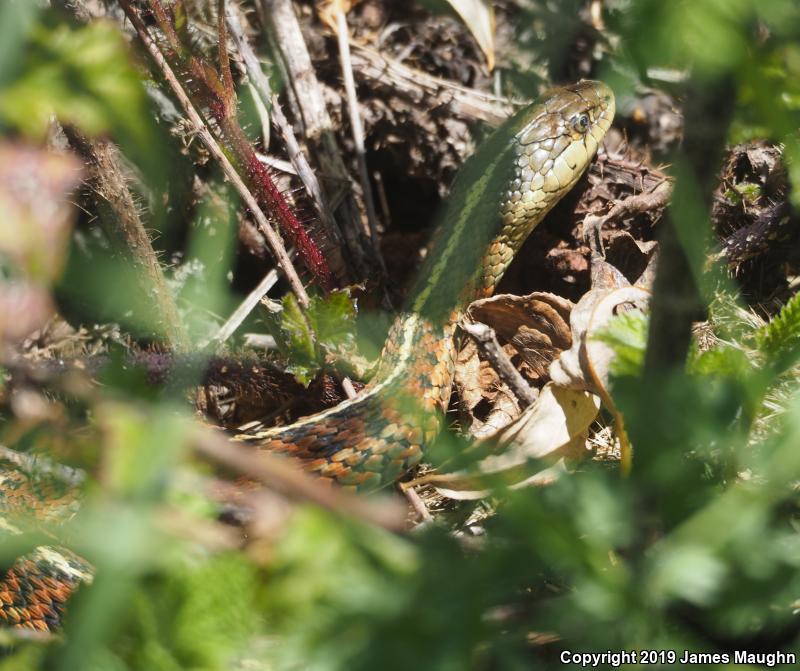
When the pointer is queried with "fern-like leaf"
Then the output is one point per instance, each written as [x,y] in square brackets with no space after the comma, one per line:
[781,335]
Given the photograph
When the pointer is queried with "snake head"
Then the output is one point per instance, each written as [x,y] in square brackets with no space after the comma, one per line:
[505,189]
[557,137]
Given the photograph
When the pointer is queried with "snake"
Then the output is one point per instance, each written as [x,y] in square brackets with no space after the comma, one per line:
[500,194]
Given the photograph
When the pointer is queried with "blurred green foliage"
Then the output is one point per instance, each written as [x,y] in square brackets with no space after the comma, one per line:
[80,74]
[698,549]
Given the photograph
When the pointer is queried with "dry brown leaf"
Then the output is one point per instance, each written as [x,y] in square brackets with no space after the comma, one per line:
[633,257]
[532,330]
[554,427]
[585,365]
[536,326]
[467,489]
[505,410]
[550,425]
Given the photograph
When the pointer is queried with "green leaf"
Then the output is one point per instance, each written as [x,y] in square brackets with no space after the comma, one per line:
[142,448]
[749,192]
[626,334]
[177,623]
[691,572]
[16,19]
[304,338]
[782,334]
[295,339]
[333,319]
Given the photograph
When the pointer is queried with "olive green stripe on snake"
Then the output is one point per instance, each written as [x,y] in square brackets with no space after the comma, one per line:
[502,192]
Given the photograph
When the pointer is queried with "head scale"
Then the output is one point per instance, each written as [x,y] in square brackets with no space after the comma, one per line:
[554,141]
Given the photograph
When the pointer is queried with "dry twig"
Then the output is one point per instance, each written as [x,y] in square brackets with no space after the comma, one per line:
[357,128]
[486,339]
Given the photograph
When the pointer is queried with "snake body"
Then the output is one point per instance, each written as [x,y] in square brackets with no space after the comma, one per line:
[502,192]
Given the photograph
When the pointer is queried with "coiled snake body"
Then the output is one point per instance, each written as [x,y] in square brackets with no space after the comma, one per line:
[502,192]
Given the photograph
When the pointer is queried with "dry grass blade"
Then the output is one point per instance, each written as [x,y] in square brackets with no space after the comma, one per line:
[281,475]
[478,15]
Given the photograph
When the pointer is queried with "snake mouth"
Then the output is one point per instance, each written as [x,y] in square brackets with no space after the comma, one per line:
[603,105]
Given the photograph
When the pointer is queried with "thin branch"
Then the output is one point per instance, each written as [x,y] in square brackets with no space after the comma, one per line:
[213,147]
[357,128]
[641,202]
[417,504]
[487,342]
[648,201]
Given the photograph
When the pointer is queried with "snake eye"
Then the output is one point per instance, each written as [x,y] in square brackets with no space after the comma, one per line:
[581,123]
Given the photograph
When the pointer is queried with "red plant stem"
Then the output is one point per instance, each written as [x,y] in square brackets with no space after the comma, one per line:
[257,173]
[215,90]
[272,200]
[205,135]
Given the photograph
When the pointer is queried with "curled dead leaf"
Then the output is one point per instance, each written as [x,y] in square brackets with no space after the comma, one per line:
[536,326]
[532,330]
[585,365]
[553,428]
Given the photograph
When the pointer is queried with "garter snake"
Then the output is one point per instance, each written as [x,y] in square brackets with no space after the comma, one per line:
[502,192]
